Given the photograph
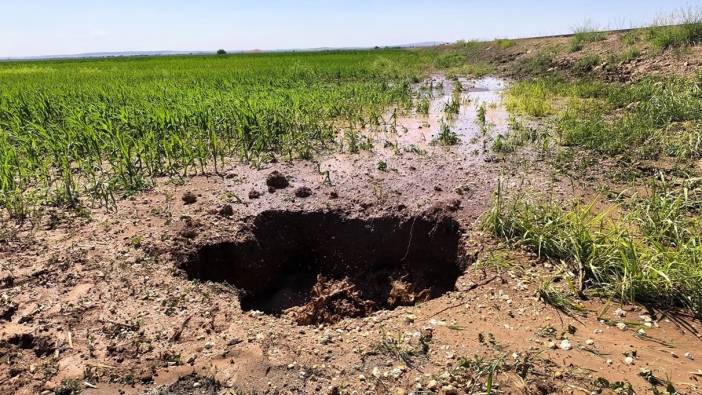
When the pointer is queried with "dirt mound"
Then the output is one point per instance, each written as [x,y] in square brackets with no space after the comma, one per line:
[323,266]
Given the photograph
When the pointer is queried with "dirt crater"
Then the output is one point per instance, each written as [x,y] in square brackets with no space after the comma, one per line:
[321,266]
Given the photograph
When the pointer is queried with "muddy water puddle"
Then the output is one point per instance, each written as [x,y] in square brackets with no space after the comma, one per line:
[416,131]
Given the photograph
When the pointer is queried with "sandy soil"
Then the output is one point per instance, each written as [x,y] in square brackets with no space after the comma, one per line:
[103,299]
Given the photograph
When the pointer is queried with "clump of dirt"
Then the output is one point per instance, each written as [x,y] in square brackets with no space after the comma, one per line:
[276,180]
[41,345]
[191,384]
[324,266]
[189,198]
[303,192]
[7,310]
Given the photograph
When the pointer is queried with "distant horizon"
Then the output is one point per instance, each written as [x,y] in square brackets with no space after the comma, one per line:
[44,29]
[168,52]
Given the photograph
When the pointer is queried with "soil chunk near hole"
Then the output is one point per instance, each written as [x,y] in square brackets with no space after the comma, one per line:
[320,267]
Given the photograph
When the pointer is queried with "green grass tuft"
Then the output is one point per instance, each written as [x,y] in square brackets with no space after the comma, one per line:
[584,35]
[616,258]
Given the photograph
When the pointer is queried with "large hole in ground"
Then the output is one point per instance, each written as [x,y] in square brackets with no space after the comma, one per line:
[324,266]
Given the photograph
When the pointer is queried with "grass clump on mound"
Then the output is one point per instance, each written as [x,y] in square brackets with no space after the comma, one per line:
[681,29]
[584,35]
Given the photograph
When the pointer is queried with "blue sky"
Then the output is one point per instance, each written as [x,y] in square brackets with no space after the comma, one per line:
[52,27]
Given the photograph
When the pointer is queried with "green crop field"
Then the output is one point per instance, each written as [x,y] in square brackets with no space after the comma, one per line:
[85,130]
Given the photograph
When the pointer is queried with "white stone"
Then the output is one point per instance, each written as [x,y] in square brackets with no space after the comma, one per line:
[565,345]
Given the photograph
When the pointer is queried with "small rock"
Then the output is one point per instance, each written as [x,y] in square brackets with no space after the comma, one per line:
[621,326]
[189,198]
[396,372]
[620,313]
[276,180]
[589,342]
[303,192]
[449,390]
[565,345]
[7,310]
[254,194]
[432,385]
[628,361]
[326,339]
[226,211]
[689,356]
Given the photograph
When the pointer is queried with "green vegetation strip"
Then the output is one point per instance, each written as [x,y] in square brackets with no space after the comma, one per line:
[73,129]
[652,255]
[649,119]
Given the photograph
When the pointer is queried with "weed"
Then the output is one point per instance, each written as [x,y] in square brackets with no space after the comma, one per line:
[585,34]
[559,300]
[529,98]
[681,29]
[478,373]
[586,63]
[423,106]
[446,136]
[505,43]
[481,119]
[453,105]
[401,347]
[518,136]
[538,64]
[69,387]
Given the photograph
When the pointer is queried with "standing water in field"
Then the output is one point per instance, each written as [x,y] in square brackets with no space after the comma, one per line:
[462,112]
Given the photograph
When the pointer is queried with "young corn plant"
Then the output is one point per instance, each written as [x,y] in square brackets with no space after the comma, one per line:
[446,136]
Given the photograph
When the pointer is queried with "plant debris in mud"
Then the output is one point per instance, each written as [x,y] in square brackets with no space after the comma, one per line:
[324,266]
